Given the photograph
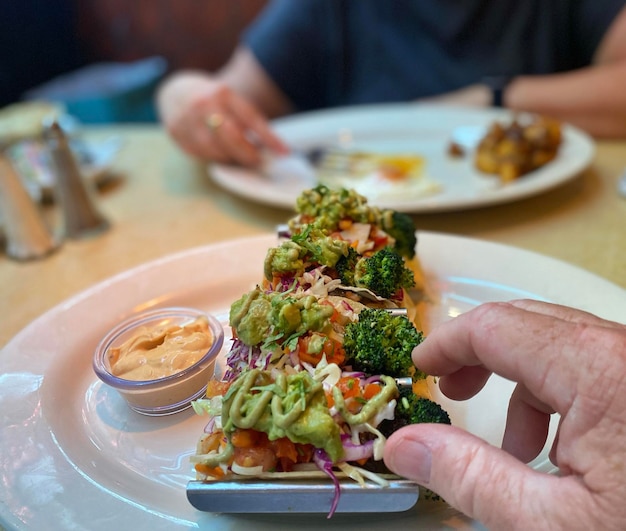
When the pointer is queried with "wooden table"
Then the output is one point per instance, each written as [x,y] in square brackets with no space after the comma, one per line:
[165,203]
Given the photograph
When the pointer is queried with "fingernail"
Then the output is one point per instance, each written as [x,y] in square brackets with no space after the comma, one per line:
[412,459]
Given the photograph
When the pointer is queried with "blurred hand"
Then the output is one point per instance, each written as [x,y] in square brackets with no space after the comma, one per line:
[566,361]
[210,121]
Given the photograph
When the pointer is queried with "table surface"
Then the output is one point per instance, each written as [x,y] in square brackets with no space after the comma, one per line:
[164,202]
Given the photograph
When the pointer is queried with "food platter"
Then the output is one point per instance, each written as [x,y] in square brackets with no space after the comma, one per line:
[72,455]
[417,129]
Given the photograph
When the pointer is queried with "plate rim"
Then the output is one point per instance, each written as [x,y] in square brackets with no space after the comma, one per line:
[601,288]
[227,176]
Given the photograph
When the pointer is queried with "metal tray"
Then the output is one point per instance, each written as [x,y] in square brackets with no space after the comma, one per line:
[300,496]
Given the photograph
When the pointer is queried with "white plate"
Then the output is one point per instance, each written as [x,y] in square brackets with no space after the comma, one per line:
[424,130]
[73,456]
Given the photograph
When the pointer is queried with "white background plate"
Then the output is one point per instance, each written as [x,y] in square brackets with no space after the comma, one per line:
[424,130]
[73,456]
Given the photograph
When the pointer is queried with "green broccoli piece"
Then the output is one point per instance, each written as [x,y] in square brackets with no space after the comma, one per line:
[418,409]
[381,343]
[384,273]
[400,227]
[328,206]
[346,266]
[413,409]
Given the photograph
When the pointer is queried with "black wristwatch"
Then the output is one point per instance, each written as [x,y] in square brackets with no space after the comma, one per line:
[497,85]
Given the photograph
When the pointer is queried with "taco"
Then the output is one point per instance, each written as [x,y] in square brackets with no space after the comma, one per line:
[320,370]
[368,253]
[324,419]
[315,391]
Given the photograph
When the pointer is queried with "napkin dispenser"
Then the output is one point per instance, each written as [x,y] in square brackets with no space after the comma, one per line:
[80,216]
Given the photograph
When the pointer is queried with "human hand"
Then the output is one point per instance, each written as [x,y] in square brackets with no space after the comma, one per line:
[211,121]
[566,361]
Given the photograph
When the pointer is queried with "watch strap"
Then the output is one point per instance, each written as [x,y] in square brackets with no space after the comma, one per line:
[497,85]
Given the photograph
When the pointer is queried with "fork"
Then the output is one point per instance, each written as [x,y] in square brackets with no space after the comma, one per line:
[327,158]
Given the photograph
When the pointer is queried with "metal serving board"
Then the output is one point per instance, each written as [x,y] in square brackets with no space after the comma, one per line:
[300,496]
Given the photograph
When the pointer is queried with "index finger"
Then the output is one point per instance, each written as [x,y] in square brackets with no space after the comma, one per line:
[549,355]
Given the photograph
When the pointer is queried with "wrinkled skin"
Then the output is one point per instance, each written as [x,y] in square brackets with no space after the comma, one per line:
[243,97]
[565,361]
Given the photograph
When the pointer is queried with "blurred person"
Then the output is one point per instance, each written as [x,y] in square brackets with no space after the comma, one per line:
[562,58]
[564,361]
[38,42]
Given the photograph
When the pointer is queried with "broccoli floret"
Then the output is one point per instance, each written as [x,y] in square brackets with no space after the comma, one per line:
[381,343]
[400,227]
[413,409]
[384,273]
[346,265]
[417,409]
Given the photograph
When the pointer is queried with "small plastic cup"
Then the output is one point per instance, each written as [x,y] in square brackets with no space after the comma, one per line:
[168,394]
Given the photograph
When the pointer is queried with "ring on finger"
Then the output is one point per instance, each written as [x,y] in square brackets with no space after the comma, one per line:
[214,121]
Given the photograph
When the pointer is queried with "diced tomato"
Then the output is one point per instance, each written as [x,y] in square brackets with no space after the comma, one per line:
[305,452]
[345,223]
[330,401]
[379,239]
[285,464]
[371,390]
[354,405]
[351,391]
[216,388]
[332,349]
[349,387]
[285,448]
[248,438]
[313,359]
[257,456]
[334,352]
[215,472]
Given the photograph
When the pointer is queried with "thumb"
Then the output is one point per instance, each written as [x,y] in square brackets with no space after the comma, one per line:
[480,480]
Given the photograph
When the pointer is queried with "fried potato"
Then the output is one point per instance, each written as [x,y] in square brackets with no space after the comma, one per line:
[513,150]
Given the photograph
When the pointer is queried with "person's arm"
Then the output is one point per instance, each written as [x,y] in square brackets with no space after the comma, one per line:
[592,98]
[223,116]
[246,76]
[565,361]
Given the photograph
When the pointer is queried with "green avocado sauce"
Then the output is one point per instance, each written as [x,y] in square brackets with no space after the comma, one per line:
[328,206]
[292,406]
[312,246]
[258,315]
[285,259]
